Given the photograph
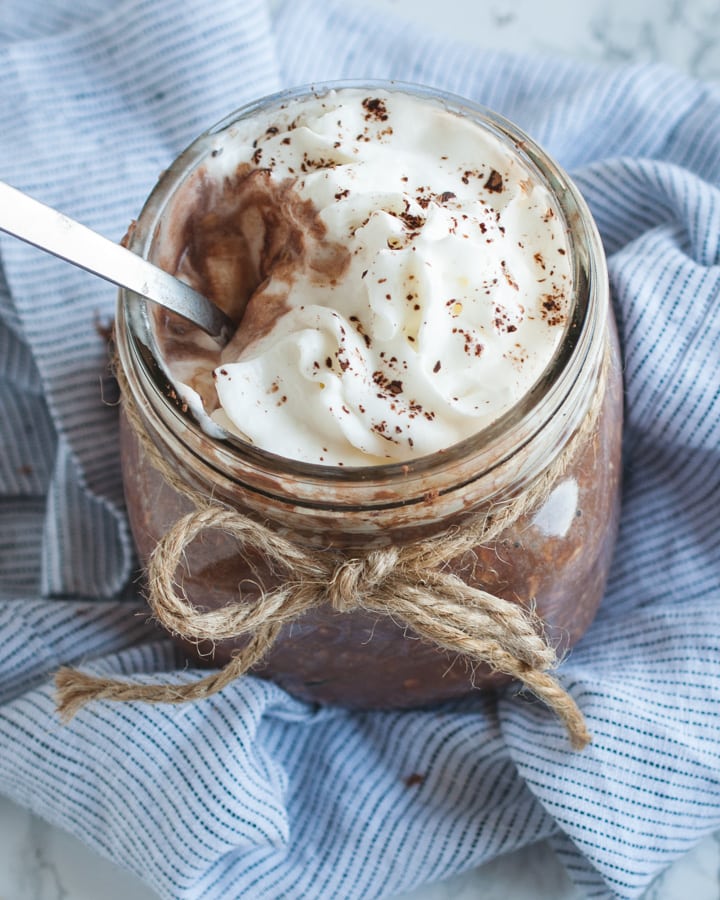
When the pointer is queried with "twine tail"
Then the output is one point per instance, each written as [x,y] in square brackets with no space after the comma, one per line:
[548,689]
[74,689]
[488,629]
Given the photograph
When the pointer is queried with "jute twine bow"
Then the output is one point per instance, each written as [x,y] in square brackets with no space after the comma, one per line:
[412,584]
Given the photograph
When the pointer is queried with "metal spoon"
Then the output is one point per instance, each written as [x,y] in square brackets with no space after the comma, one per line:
[50,230]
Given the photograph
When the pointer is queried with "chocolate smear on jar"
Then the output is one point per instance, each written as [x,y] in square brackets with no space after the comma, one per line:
[238,236]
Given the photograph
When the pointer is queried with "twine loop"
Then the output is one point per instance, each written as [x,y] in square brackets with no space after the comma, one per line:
[172,608]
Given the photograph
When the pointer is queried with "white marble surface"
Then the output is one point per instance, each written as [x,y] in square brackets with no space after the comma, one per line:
[684,33]
[40,862]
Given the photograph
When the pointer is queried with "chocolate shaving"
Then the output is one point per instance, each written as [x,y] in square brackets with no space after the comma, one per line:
[494,184]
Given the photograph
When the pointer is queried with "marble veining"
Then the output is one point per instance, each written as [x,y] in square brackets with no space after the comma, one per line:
[683,33]
[40,876]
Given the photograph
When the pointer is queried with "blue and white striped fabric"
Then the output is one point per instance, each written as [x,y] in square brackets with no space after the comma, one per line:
[251,793]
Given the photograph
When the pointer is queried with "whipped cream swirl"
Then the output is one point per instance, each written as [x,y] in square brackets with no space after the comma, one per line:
[410,279]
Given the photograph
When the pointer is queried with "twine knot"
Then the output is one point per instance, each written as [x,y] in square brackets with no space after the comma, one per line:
[357,578]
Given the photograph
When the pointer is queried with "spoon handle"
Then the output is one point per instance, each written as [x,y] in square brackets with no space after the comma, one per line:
[50,230]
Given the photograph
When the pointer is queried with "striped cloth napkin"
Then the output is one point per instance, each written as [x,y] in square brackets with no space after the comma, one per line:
[251,793]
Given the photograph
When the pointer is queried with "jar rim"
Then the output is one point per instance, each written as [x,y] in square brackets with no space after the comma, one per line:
[489,447]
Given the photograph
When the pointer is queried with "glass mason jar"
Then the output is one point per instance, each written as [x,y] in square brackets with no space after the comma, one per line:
[553,559]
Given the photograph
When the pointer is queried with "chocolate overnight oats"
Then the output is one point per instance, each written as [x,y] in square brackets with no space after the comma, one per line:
[423,335]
